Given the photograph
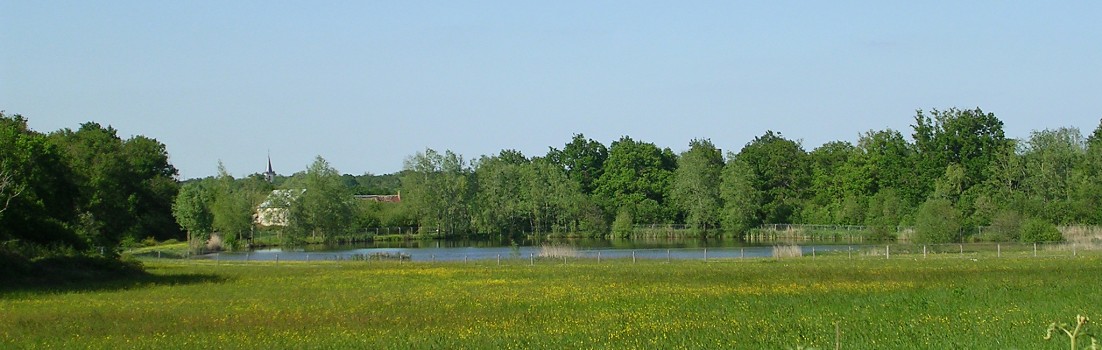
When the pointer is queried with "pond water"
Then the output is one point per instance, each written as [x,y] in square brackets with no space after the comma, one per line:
[489,249]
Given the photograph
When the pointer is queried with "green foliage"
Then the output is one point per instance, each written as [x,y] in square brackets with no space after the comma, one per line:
[781,172]
[192,210]
[937,221]
[1040,230]
[696,185]
[438,190]
[583,159]
[1005,226]
[324,208]
[624,225]
[637,177]
[741,200]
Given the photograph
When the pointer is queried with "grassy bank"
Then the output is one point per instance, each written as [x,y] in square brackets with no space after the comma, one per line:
[770,304]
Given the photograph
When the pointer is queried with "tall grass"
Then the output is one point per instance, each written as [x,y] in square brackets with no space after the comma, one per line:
[558,251]
[787,251]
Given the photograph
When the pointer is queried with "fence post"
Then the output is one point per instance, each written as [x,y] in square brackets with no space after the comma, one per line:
[923,251]
[887,251]
[850,249]
[218,259]
[277,259]
[742,253]
[667,255]
[962,249]
[705,254]
[632,256]
[812,252]
[598,257]
[1034,249]
[464,259]
[532,259]
[1074,250]
[433,257]
[998,250]
[564,259]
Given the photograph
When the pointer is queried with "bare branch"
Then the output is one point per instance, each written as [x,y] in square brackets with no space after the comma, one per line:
[9,189]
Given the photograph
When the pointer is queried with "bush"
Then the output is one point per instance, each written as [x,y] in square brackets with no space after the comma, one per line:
[937,222]
[1006,226]
[1040,230]
[623,226]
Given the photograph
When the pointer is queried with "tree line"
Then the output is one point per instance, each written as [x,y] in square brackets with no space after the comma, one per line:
[86,189]
[957,171]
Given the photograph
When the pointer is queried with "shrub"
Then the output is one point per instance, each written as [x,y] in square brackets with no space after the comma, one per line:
[1040,230]
[1006,226]
[623,226]
[937,222]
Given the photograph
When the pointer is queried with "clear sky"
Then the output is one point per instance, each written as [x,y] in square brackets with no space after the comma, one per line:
[365,84]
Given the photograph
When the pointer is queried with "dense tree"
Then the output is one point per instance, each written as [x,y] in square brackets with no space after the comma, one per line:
[782,172]
[741,199]
[437,188]
[125,188]
[969,138]
[498,206]
[637,178]
[37,194]
[583,159]
[696,184]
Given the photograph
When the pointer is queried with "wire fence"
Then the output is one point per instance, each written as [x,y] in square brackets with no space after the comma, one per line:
[567,254]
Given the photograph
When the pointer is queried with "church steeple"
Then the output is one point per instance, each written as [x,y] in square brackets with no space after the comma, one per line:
[270,174]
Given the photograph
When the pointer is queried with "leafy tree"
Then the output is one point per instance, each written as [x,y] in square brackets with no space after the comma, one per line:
[498,207]
[125,188]
[438,190]
[782,172]
[232,208]
[37,195]
[325,207]
[937,222]
[741,200]
[696,184]
[637,178]
[583,159]
[1050,159]
[192,210]
[969,138]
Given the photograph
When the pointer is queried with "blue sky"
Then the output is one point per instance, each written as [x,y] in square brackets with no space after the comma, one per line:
[365,84]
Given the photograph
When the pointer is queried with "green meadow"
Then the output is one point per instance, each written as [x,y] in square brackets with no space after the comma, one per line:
[822,302]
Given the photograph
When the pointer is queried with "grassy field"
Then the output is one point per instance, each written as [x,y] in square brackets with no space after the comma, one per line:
[948,303]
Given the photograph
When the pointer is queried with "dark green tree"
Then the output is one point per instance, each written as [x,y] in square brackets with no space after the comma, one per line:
[782,171]
[583,159]
[637,177]
[37,195]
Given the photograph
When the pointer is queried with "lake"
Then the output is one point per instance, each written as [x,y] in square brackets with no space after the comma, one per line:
[491,249]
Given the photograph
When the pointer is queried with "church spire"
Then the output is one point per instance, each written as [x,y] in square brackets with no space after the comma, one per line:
[270,174]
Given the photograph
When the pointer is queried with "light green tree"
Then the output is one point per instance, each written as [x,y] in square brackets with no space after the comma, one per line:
[696,185]
[192,210]
[324,207]
[741,199]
